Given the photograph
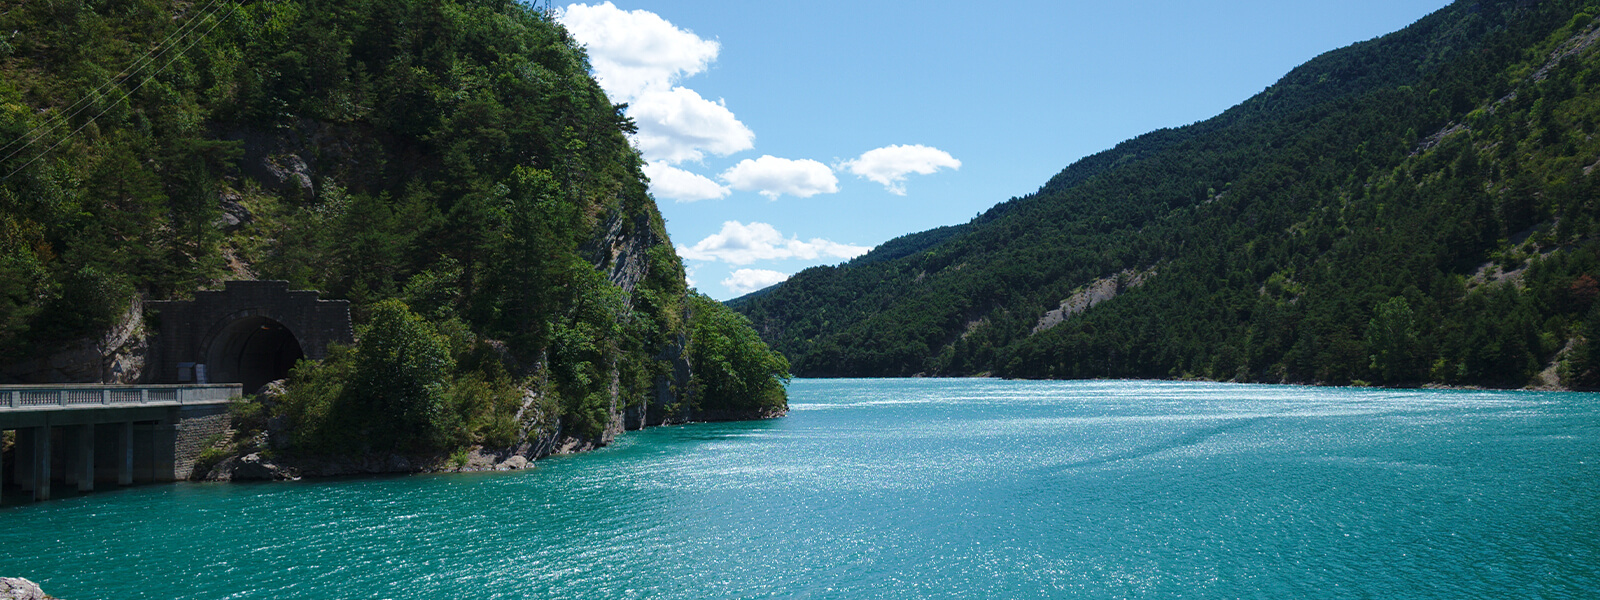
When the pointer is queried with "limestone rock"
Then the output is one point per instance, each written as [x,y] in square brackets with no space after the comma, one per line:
[277,433]
[115,355]
[234,214]
[252,467]
[1097,291]
[289,171]
[622,252]
[17,588]
[398,464]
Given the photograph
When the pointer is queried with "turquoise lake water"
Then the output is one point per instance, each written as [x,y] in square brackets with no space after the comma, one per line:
[911,489]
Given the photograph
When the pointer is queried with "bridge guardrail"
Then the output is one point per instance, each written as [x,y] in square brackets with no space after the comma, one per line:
[35,397]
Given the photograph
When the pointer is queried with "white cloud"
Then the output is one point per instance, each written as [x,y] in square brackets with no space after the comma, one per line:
[638,58]
[678,125]
[635,51]
[890,165]
[742,244]
[772,177]
[671,182]
[744,281]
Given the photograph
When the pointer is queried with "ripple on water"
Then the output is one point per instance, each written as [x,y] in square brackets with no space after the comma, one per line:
[912,489]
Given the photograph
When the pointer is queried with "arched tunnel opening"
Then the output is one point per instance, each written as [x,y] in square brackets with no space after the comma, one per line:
[252,351]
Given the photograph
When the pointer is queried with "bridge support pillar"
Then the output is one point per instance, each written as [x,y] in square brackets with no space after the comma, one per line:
[41,463]
[125,452]
[25,460]
[166,451]
[68,470]
[85,462]
[144,453]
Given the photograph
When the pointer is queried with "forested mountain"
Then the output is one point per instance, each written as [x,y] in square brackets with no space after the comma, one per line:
[1416,208]
[449,166]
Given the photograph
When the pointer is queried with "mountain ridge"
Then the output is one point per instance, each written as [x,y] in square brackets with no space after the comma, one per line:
[1254,201]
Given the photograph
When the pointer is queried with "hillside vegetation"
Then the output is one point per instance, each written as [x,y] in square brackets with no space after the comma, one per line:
[1417,208]
[450,167]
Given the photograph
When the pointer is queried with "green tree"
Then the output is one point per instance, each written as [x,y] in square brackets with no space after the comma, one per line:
[402,371]
[732,369]
[1392,342]
[586,345]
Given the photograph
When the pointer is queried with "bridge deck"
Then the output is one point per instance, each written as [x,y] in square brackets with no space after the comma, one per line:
[138,432]
[76,396]
[25,405]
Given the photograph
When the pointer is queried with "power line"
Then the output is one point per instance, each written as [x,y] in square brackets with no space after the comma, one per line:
[50,124]
[54,122]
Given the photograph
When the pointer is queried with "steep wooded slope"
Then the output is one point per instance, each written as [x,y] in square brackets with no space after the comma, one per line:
[450,167]
[1419,207]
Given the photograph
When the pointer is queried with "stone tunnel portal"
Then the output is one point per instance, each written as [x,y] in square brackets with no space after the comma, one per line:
[252,351]
[249,332]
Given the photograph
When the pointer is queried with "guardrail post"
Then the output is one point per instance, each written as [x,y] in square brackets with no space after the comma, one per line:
[105,396]
[144,396]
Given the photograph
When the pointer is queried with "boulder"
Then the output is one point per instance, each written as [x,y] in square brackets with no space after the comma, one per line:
[252,467]
[234,214]
[398,464]
[17,588]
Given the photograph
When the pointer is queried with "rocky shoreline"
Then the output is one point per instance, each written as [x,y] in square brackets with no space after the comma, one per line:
[259,466]
[261,458]
[17,588]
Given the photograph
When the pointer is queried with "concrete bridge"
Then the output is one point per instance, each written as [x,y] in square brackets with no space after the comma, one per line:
[207,352]
[83,434]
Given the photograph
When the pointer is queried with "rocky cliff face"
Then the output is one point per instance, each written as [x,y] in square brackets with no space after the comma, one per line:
[621,250]
[116,355]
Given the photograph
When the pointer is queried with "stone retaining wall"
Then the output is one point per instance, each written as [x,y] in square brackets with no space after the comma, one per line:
[196,427]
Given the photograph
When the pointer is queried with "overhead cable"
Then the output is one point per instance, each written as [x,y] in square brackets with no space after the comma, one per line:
[55,122]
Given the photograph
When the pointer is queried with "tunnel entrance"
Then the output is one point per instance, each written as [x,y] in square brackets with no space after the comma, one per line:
[252,351]
[249,332]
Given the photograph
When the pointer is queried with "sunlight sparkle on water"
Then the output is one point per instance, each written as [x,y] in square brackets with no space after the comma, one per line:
[911,489]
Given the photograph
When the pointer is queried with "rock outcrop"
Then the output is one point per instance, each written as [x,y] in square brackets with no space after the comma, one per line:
[622,252]
[1099,290]
[259,467]
[17,588]
[117,355]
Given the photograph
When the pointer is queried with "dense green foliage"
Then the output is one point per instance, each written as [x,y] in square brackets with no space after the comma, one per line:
[734,371]
[448,166]
[402,389]
[1420,207]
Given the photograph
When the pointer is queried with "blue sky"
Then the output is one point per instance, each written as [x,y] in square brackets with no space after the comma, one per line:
[784,135]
